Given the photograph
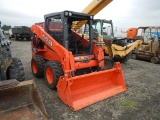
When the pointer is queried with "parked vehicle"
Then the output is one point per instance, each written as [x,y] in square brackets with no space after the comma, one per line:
[72,64]
[40,24]
[6,32]
[10,34]
[20,32]
[119,49]
[150,48]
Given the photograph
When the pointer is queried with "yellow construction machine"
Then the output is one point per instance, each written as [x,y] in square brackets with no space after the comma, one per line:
[116,48]
[149,50]
[119,49]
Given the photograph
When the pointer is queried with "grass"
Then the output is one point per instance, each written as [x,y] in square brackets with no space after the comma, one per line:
[128,104]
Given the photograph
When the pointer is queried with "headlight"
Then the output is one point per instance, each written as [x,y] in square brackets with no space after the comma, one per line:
[91,17]
[70,14]
[66,13]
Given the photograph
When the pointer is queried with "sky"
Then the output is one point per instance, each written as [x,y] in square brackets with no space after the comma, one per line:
[124,13]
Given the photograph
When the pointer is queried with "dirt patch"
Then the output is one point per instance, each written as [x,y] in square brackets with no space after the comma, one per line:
[141,101]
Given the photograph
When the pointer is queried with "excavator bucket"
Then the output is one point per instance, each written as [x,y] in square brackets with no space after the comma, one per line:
[20,100]
[81,91]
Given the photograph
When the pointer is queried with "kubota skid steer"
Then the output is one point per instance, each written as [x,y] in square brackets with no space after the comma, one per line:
[72,64]
[19,99]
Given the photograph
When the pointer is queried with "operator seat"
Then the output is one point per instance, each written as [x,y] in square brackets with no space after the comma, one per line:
[72,44]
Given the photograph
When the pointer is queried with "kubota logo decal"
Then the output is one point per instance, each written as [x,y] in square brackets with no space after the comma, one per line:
[47,39]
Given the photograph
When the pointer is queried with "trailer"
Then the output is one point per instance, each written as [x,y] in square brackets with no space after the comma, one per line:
[20,32]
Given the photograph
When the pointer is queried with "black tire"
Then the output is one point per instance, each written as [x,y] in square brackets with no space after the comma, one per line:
[16,38]
[16,70]
[37,66]
[56,71]
[108,63]
[124,59]
[28,38]
[10,37]
[21,38]
[155,60]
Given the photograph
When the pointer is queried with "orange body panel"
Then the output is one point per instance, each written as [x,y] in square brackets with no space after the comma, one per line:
[132,33]
[52,49]
[91,63]
[81,91]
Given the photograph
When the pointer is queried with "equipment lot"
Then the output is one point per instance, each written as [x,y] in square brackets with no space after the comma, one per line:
[141,100]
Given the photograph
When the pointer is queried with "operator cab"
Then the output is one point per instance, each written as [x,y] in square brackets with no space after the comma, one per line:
[61,27]
[149,35]
[101,28]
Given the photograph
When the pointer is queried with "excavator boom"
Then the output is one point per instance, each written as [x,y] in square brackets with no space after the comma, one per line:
[93,8]
[96,6]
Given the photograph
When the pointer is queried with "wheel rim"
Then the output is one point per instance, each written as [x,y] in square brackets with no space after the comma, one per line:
[49,75]
[34,67]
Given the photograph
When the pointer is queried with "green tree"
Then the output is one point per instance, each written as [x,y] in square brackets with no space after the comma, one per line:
[6,27]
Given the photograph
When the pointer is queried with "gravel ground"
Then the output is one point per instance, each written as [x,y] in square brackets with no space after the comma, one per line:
[140,102]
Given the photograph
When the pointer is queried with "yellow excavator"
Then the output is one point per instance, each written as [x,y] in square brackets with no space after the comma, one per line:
[116,48]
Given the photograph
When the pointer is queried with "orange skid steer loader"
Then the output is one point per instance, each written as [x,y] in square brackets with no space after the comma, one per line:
[72,64]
